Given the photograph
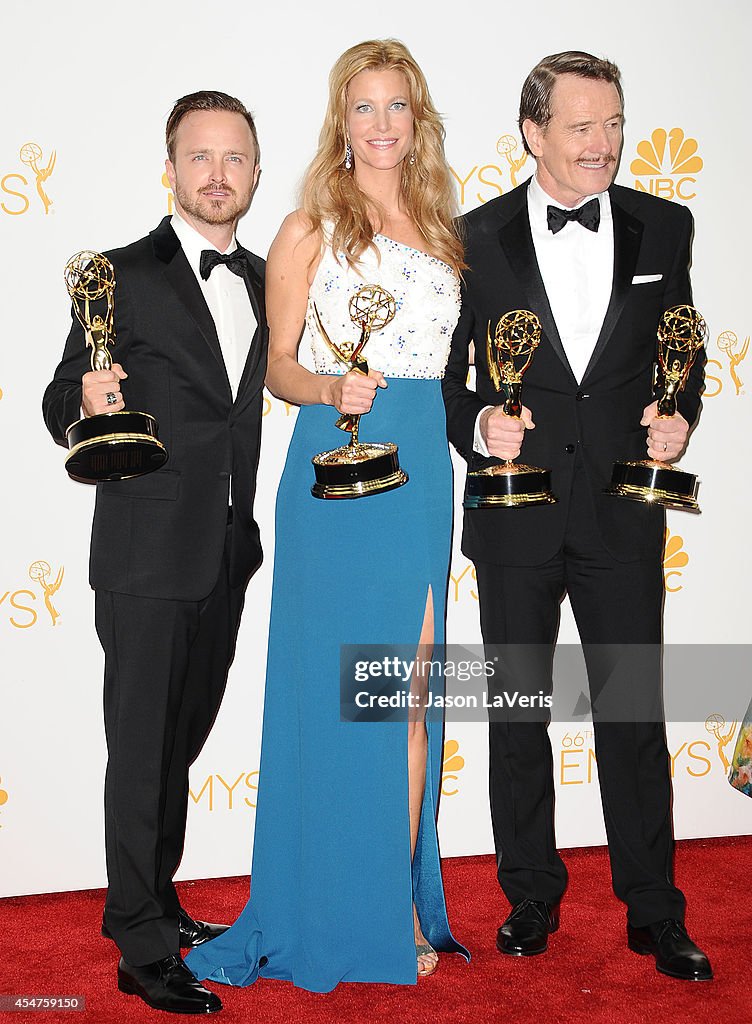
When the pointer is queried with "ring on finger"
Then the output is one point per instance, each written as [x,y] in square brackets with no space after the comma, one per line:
[111,398]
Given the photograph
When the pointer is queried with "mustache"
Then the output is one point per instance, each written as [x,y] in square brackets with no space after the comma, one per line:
[212,188]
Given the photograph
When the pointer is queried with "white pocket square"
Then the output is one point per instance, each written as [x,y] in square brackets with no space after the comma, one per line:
[646,278]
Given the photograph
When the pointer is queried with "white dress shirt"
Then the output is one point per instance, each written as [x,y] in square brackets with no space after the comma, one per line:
[227,298]
[577,268]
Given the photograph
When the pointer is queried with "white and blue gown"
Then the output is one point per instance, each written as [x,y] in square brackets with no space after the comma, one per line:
[332,882]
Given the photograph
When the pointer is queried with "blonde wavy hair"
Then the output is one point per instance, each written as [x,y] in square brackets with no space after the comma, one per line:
[330,193]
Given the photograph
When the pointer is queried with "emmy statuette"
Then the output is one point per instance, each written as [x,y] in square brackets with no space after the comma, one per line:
[681,334]
[112,445]
[358,469]
[508,484]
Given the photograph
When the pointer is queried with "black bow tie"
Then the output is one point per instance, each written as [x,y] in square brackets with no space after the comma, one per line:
[235,261]
[588,215]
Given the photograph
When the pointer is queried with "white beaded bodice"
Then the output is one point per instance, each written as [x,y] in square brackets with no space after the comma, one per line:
[427,298]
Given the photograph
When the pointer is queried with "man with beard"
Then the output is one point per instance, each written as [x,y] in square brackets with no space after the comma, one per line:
[172,551]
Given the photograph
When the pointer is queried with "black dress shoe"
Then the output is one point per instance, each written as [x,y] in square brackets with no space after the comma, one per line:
[168,985]
[192,933]
[675,953]
[525,932]
[196,933]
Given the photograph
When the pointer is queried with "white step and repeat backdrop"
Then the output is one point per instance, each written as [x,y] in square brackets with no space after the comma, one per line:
[86,92]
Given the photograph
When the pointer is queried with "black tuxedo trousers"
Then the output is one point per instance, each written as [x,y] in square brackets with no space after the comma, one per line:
[617,608]
[172,658]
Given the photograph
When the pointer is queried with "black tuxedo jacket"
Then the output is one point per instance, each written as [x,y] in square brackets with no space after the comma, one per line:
[162,535]
[598,418]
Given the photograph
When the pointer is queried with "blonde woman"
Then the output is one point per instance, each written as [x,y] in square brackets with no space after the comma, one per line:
[346,882]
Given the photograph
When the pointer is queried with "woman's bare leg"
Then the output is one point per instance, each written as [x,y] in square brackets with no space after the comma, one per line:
[417,752]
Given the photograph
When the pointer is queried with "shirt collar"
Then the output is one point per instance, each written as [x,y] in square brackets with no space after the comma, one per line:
[538,201]
[193,242]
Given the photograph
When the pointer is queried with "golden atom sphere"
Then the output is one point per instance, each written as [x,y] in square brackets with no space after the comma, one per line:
[89,275]
[683,328]
[29,153]
[714,722]
[372,306]
[727,341]
[39,570]
[506,144]
[518,332]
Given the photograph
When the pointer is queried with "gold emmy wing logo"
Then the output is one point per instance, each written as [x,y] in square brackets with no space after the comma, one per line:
[453,762]
[31,155]
[668,160]
[506,146]
[736,352]
[3,797]
[13,196]
[491,176]
[716,726]
[40,572]
[674,560]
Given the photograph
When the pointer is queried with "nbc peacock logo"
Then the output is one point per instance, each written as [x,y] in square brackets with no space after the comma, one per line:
[675,558]
[454,762]
[666,165]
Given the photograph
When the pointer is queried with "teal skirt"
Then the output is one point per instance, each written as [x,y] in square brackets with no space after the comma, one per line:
[332,883]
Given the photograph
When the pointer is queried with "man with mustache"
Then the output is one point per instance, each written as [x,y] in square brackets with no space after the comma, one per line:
[172,552]
[598,264]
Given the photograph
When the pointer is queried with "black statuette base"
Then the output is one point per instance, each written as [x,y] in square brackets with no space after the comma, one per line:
[355,472]
[508,487]
[114,446]
[655,483]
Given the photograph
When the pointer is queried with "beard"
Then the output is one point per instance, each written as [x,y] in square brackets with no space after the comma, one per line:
[213,211]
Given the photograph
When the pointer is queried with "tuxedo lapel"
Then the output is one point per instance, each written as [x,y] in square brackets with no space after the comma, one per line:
[255,287]
[178,272]
[627,238]
[256,294]
[180,276]
[517,242]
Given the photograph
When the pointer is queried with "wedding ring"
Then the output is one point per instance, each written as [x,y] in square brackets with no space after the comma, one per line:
[111,398]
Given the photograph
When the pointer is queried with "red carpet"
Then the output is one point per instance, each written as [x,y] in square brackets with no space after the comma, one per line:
[51,946]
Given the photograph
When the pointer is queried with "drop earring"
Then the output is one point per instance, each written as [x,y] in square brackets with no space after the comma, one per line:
[348,156]
[412,158]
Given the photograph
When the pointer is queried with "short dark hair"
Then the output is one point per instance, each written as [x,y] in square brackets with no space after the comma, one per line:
[206,100]
[535,101]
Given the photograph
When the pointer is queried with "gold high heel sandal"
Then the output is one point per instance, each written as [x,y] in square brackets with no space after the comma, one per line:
[425,949]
